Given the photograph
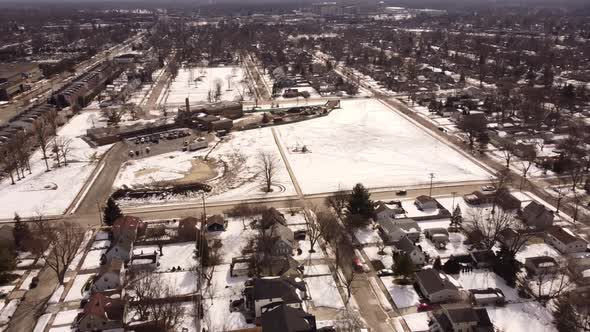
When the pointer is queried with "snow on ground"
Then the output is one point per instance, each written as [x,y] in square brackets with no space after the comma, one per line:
[52,192]
[42,322]
[175,255]
[305,246]
[100,244]
[27,282]
[76,292]
[216,301]
[323,292]
[164,167]
[528,316]
[370,143]
[417,322]
[92,260]
[454,247]
[373,254]
[367,235]
[403,295]
[297,219]
[180,283]
[66,317]
[63,329]
[480,279]
[81,250]
[233,239]
[56,295]
[536,249]
[314,270]
[8,311]
[196,85]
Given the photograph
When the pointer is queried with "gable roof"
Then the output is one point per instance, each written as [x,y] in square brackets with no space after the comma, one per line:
[425,199]
[564,236]
[541,261]
[432,281]
[461,314]
[535,209]
[286,319]
[407,225]
[125,223]
[284,288]
[113,266]
[278,231]
[405,245]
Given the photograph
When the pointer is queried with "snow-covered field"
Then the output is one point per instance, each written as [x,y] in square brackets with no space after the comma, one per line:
[366,142]
[175,255]
[528,316]
[324,292]
[77,291]
[163,167]
[52,192]
[195,83]
[403,295]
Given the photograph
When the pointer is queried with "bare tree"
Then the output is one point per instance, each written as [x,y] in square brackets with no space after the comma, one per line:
[268,165]
[22,145]
[7,162]
[42,133]
[338,201]
[500,181]
[526,163]
[490,225]
[65,239]
[218,90]
[546,285]
[313,228]
[473,126]
[349,282]
[507,152]
[65,148]
[328,224]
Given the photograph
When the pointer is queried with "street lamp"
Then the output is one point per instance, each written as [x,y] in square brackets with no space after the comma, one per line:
[430,190]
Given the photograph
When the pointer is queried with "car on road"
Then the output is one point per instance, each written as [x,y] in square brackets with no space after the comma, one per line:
[488,188]
[402,192]
[423,307]
[385,273]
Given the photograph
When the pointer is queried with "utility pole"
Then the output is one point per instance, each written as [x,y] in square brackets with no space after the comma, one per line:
[99,212]
[201,242]
[453,193]
[430,190]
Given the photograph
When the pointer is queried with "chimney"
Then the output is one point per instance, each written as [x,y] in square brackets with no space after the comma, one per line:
[188,108]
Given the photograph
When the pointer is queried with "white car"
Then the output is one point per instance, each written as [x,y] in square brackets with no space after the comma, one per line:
[488,188]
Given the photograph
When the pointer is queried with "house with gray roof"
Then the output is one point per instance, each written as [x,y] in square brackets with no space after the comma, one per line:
[537,215]
[393,230]
[283,240]
[408,248]
[565,240]
[462,318]
[437,286]
[263,294]
[287,319]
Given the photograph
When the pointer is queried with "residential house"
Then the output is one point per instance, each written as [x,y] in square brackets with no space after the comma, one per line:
[537,215]
[385,211]
[144,261]
[565,240]
[580,267]
[461,318]
[282,266]
[101,313]
[438,236]
[120,250]
[265,293]
[110,276]
[128,227]
[407,247]
[394,229]
[489,296]
[283,240]
[503,198]
[541,265]
[188,229]
[436,286]
[287,319]
[424,202]
[216,223]
[272,216]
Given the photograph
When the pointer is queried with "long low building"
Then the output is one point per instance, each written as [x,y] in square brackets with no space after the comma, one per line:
[15,77]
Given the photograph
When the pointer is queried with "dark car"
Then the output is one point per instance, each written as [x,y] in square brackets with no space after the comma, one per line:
[423,307]
[402,192]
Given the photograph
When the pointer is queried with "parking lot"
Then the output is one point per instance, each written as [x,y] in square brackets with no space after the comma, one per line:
[158,143]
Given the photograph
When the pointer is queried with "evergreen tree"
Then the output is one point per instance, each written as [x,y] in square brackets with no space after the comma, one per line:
[359,202]
[20,232]
[111,212]
[452,266]
[456,218]
[7,263]
[403,266]
[437,265]
[564,314]
[506,266]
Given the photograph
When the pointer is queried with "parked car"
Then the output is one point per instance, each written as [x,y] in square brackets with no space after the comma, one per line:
[488,188]
[402,192]
[423,307]
[385,273]
[34,282]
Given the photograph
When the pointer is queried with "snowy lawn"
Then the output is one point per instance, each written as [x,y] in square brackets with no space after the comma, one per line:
[233,239]
[92,260]
[55,297]
[8,311]
[180,283]
[366,141]
[417,322]
[52,192]
[454,247]
[323,292]
[195,83]
[481,279]
[81,250]
[66,317]
[305,246]
[77,291]
[27,282]
[223,290]
[42,322]
[367,235]
[528,316]
[373,254]
[403,295]
[314,270]
[175,255]
[536,249]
